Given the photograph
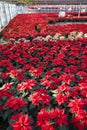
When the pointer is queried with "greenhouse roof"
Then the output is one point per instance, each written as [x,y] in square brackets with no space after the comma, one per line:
[53,2]
[57,2]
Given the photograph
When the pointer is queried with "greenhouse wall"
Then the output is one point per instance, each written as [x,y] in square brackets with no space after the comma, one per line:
[8,11]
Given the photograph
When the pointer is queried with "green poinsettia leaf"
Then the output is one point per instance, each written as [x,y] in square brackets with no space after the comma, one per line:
[31,106]
[9,128]
[63,127]
[7,114]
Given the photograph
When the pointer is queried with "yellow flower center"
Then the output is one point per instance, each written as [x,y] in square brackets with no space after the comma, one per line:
[21,125]
[59,116]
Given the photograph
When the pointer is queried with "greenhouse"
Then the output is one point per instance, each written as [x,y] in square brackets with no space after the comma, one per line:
[43,64]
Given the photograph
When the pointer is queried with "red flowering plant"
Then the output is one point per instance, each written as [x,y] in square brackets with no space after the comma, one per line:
[27,27]
[43,84]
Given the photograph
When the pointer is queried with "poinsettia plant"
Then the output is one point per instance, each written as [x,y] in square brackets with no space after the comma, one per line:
[27,26]
[43,83]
